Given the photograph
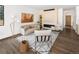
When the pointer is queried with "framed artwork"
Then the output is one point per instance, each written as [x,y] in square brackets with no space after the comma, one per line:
[26,17]
[1,15]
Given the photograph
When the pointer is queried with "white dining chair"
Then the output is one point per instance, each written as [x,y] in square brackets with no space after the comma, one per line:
[43,41]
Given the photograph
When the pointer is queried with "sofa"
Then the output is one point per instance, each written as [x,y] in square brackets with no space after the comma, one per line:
[27,29]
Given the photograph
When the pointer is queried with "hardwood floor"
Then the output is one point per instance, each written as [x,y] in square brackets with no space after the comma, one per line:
[67,42]
[10,46]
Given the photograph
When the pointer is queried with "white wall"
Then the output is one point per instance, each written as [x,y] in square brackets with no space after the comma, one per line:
[77,19]
[61,18]
[54,17]
[74,21]
[9,12]
[77,15]
[50,17]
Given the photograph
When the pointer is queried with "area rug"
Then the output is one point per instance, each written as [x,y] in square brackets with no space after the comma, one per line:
[31,39]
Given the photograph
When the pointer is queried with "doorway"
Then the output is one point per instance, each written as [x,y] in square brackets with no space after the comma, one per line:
[68,22]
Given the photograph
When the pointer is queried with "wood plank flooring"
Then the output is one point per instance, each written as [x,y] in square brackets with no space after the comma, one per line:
[10,46]
[67,43]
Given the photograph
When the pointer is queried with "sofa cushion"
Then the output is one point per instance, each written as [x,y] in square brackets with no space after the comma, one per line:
[29,31]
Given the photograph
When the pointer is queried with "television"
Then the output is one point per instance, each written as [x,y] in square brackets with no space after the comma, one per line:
[26,17]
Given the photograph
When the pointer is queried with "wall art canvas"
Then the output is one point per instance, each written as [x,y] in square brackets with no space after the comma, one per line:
[1,15]
[26,17]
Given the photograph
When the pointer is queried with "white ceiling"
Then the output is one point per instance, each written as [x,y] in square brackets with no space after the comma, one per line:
[42,7]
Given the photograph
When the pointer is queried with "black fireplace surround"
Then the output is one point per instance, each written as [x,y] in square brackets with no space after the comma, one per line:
[48,25]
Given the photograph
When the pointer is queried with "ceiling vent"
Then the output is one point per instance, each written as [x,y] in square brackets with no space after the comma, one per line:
[49,9]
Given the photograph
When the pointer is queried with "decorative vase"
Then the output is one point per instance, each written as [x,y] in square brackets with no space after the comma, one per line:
[24,47]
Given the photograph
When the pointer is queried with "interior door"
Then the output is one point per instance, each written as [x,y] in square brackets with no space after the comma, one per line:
[68,21]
